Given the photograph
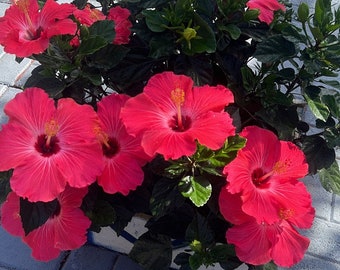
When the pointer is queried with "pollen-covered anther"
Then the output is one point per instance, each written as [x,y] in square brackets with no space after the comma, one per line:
[286,213]
[51,129]
[178,97]
[102,136]
[281,166]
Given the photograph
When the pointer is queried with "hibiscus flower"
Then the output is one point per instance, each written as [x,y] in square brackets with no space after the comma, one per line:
[26,30]
[266,8]
[65,229]
[278,241]
[87,16]
[171,115]
[122,153]
[265,172]
[120,16]
[49,146]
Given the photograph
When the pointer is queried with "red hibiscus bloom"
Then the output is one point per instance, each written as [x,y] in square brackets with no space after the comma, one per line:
[26,30]
[171,114]
[120,16]
[49,146]
[66,229]
[122,153]
[265,172]
[279,241]
[88,15]
[266,8]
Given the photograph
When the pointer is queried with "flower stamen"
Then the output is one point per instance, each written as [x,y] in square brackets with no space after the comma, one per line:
[51,129]
[178,97]
[102,136]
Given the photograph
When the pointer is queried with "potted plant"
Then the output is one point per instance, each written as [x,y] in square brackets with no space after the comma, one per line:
[189,113]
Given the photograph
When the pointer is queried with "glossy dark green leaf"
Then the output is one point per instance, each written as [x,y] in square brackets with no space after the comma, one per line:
[200,230]
[195,261]
[155,20]
[333,104]
[107,57]
[103,29]
[330,178]
[152,251]
[33,215]
[197,189]
[165,197]
[274,48]
[317,152]
[91,45]
[205,41]
[319,109]
[5,185]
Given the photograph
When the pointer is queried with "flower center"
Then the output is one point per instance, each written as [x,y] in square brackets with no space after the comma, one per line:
[111,147]
[178,123]
[47,146]
[31,33]
[184,125]
[260,178]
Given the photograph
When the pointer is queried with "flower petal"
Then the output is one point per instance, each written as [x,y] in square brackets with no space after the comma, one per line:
[10,215]
[290,246]
[251,241]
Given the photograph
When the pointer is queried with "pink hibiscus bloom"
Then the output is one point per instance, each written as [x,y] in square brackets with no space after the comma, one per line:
[66,229]
[26,30]
[266,8]
[122,153]
[120,16]
[171,114]
[88,15]
[49,146]
[265,172]
[279,241]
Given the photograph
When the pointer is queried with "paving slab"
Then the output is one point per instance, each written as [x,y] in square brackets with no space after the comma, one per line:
[91,258]
[321,199]
[14,254]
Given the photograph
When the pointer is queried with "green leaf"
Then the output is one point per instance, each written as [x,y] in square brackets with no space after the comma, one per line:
[274,48]
[5,185]
[319,109]
[228,152]
[52,86]
[333,104]
[195,261]
[102,213]
[205,42]
[152,251]
[91,45]
[268,266]
[182,259]
[103,30]
[107,57]
[155,20]
[233,30]
[200,231]
[165,197]
[197,189]
[303,12]
[160,46]
[330,178]
[317,152]
[33,215]
[248,78]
